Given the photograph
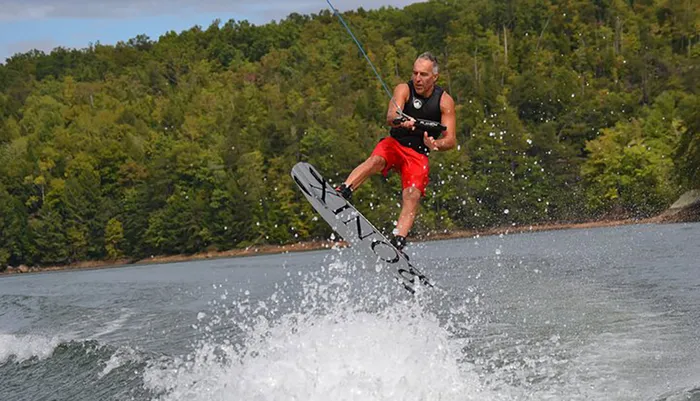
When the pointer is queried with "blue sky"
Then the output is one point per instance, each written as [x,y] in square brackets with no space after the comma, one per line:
[45,24]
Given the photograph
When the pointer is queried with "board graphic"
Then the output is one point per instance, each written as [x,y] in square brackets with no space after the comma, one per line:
[353,227]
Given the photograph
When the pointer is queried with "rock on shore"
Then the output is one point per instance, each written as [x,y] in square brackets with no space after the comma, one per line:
[685,209]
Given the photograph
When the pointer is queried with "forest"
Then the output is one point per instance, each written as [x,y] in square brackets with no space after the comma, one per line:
[567,110]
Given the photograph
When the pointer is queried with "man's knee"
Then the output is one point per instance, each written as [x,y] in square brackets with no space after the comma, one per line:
[411,194]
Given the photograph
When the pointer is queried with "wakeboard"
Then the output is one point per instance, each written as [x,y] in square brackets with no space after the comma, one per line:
[354,228]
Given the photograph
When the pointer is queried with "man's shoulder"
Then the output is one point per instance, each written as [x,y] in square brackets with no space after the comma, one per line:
[446,98]
[402,85]
[402,89]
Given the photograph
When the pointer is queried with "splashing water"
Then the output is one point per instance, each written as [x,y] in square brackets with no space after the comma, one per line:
[566,316]
[331,346]
[22,348]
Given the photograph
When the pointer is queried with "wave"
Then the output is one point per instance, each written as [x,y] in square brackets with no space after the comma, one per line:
[88,369]
[34,348]
[691,394]
[327,335]
[21,348]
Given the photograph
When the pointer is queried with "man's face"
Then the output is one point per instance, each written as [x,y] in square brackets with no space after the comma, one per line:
[423,77]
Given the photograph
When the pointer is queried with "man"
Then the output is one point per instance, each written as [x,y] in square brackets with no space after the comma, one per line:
[406,150]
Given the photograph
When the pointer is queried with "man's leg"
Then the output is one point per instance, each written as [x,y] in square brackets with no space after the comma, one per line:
[372,165]
[409,210]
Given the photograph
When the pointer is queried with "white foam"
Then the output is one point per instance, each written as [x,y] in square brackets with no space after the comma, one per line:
[122,356]
[26,347]
[397,354]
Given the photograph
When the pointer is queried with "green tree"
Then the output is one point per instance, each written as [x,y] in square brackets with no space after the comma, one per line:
[114,237]
[687,155]
[630,168]
[48,239]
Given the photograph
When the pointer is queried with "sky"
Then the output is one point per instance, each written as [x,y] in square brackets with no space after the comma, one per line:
[46,24]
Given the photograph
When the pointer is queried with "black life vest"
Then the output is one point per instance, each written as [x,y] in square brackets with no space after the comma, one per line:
[421,108]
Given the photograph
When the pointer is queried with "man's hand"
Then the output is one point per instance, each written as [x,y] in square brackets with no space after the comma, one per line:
[430,142]
[408,124]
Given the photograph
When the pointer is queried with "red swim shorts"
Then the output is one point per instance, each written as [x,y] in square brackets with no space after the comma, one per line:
[412,166]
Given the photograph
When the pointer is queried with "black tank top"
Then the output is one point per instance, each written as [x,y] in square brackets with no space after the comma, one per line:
[418,107]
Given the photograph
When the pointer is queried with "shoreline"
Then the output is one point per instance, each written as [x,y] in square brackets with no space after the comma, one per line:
[306,246]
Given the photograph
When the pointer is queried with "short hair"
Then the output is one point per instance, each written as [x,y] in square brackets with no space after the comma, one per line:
[430,57]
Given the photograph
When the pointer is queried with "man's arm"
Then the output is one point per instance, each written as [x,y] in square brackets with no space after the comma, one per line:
[399,99]
[449,120]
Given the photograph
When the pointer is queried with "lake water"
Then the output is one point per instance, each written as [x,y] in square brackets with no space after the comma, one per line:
[594,314]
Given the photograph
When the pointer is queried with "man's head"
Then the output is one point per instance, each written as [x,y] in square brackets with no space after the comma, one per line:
[425,73]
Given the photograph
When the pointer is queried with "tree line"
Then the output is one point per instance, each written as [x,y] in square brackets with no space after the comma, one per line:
[566,110]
